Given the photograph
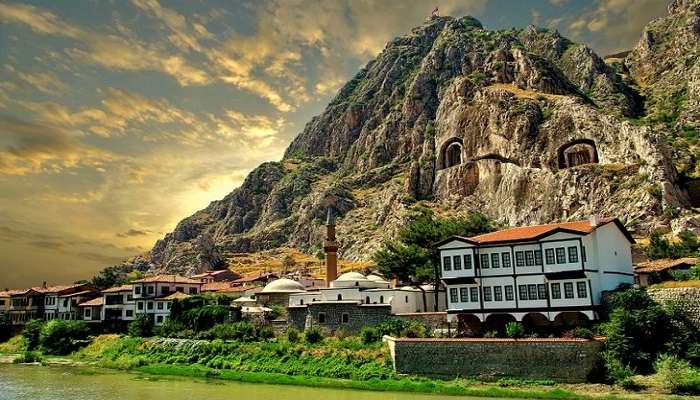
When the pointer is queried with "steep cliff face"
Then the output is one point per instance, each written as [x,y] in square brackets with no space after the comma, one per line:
[523,125]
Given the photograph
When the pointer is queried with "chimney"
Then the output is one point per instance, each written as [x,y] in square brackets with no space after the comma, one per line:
[44,285]
[331,248]
[594,220]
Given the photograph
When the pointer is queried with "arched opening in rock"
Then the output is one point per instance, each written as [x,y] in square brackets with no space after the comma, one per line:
[578,152]
[451,154]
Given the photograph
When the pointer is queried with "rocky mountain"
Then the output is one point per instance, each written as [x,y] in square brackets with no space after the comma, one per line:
[523,125]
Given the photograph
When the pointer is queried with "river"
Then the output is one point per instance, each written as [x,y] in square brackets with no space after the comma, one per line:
[25,382]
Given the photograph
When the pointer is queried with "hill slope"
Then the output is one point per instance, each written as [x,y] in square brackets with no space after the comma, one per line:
[516,107]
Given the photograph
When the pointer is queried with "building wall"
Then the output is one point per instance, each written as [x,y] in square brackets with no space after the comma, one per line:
[688,298]
[359,316]
[435,320]
[564,360]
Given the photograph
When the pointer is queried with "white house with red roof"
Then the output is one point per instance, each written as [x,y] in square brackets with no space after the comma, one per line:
[153,294]
[544,273]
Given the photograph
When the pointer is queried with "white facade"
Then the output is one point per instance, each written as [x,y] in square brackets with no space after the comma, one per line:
[151,295]
[353,286]
[118,304]
[547,269]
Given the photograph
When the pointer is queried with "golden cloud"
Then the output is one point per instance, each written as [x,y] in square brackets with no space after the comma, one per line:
[39,148]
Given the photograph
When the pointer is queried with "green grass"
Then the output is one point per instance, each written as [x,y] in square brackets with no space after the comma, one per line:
[413,385]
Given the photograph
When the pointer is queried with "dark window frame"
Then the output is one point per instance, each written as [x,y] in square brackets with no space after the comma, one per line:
[487,293]
[509,292]
[529,258]
[532,291]
[581,287]
[463,295]
[522,292]
[561,255]
[474,294]
[467,261]
[484,261]
[541,291]
[555,289]
[457,263]
[568,290]
[505,260]
[497,293]
[573,254]
[549,257]
[447,263]
[519,259]
[454,295]
[495,260]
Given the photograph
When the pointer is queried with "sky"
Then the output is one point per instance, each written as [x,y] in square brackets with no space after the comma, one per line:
[119,118]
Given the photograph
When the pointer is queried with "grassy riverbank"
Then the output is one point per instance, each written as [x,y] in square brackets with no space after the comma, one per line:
[333,363]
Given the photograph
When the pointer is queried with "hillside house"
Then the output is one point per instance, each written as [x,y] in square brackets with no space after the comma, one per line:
[152,294]
[118,304]
[536,274]
[656,271]
[223,275]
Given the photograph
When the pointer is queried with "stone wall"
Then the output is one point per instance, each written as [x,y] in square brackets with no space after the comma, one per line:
[359,316]
[687,297]
[563,360]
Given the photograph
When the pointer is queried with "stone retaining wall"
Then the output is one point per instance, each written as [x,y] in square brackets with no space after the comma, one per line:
[688,298]
[563,360]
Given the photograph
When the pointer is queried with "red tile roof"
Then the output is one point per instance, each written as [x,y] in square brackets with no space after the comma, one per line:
[664,264]
[210,273]
[216,286]
[534,232]
[255,277]
[174,296]
[117,289]
[98,301]
[165,278]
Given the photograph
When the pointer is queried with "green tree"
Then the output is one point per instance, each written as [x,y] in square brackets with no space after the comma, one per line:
[31,332]
[141,326]
[413,257]
[62,337]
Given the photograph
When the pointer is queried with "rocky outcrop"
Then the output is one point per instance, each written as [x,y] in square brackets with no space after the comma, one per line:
[523,125]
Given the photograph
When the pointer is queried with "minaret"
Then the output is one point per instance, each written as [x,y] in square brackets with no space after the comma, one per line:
[331,248]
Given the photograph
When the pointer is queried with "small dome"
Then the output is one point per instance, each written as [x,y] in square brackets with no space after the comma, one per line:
[376,278]
[283,285]
[351,276]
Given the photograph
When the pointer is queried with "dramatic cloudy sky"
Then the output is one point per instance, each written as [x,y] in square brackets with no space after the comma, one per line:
[118,118]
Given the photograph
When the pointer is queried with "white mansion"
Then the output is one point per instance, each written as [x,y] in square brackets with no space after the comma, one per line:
[546,272]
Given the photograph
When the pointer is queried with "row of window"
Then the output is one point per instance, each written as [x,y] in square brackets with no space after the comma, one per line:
[164,290]
[149,305]
[525,292]
[526,258]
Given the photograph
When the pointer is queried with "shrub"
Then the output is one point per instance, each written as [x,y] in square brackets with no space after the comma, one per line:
[141,326]
[515,330]
[369,335]
[617,371]
[31,332]
[313,335]
[391,327]
[62,337]
[5,327]
[242,331]
[415,329]
[292,335]
[677,375]
[583,333]
[174,329]
[27,357]
[491,334]
[265,332]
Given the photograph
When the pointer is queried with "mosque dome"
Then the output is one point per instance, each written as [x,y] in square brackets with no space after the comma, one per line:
[283,285]
[351,277]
